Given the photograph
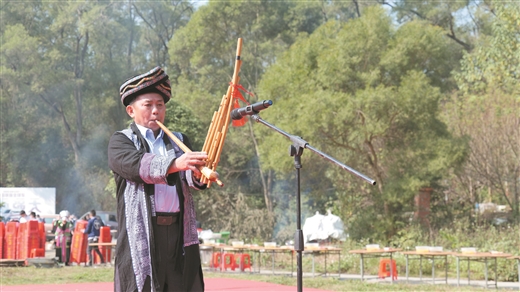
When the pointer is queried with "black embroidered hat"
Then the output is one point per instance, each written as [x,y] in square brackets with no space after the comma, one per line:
[155,80]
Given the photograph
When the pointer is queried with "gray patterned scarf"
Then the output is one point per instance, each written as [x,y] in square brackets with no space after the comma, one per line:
[137,225]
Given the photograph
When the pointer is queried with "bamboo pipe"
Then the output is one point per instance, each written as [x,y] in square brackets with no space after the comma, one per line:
[218,129]
[213,131]
[208,173]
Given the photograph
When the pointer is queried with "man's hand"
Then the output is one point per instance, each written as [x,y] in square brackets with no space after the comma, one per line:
[189,161]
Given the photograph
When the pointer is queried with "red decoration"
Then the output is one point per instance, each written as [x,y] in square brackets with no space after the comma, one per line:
[236,96]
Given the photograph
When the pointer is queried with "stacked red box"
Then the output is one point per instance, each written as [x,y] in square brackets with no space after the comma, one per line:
[104,237]
[2,239]
[78,252]
[41,228]
[35,236]
[21,241]
[11,234]
[29,238]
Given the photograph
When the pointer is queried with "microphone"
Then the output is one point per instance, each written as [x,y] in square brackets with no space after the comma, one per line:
[252,109]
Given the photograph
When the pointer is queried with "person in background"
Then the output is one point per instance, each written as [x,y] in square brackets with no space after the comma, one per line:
[32,216]
[63,235]
[23,217]
[73,219]
[93,229]
[157,242]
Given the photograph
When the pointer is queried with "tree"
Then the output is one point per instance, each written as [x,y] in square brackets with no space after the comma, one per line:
[50,77]
[161,21]
[367,94]
[203,52]
[461,21]
[181,118]
[487,111]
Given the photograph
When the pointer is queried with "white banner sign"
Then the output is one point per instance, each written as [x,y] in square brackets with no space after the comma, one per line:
[39,200]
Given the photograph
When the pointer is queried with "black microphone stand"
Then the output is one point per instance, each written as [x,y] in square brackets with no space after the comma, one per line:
[296,150]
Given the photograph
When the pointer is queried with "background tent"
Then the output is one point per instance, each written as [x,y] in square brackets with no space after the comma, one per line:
[322,227]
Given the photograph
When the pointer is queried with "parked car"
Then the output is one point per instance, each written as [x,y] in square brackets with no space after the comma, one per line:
[109,219]
[10,214]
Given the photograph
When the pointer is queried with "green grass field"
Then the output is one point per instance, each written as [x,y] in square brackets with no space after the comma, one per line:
[80,274]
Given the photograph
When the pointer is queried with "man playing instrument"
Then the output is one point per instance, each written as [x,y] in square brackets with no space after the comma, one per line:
[157,243]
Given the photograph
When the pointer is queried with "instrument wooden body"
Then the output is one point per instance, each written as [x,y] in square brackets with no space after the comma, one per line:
[206,172]
[220,121]
[217,129]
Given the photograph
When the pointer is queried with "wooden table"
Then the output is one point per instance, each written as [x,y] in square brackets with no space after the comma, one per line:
[324,250]
[273,250]
[377,253]
[253,248]
[479,257]
[219,247]
[428,255]
[206,254]
[239,249]
[112,245]
[11,263]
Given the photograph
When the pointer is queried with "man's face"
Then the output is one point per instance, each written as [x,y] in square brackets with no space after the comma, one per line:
[146,109]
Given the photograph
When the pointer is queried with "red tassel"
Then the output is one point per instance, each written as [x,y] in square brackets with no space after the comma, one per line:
[236,96]
[243,120]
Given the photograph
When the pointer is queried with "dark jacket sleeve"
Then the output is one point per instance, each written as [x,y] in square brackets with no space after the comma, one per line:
[137,165]
[89,227]
[123,158]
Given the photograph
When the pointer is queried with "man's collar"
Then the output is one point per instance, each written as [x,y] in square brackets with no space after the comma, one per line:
[144,130]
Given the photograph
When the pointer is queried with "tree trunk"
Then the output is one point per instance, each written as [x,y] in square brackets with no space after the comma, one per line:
[266,184]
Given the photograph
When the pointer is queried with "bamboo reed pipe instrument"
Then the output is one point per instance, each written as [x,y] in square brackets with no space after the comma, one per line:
[217,129]
[206,172]
[220,121]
